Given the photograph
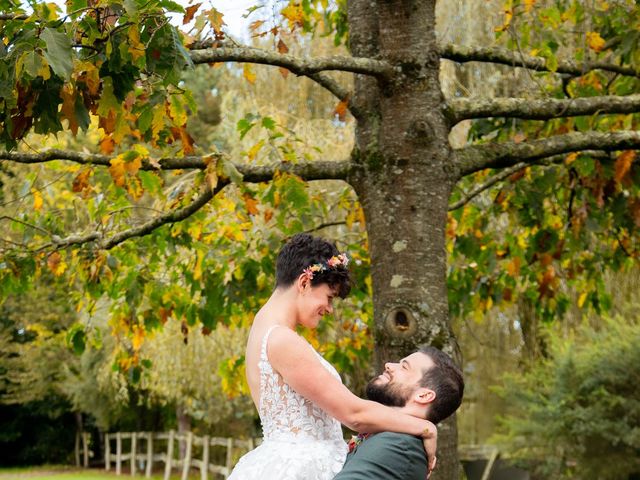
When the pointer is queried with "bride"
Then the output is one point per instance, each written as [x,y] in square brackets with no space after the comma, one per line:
[299,395]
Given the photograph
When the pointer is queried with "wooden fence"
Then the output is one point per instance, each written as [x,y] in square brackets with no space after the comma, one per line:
[143,448]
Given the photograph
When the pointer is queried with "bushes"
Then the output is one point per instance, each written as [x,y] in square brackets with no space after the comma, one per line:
[577,413]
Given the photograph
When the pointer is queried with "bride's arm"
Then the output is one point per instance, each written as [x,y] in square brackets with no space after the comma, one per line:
[299,366]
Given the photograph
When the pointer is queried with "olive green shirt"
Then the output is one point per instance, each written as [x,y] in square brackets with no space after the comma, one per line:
[386,455]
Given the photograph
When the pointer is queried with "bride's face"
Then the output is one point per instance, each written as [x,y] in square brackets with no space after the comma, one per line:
[315,302]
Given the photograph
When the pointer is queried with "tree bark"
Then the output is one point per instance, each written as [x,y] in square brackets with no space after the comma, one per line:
[403,181]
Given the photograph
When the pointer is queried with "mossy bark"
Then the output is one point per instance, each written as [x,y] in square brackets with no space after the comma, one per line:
[403,179]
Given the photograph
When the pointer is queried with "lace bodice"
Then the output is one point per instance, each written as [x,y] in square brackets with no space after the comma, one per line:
[284,413]
[301,442]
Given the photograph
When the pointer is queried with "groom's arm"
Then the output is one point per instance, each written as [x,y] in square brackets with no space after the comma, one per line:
[387,455]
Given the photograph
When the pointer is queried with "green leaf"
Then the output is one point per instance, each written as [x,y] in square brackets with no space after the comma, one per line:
[269,123]
[244,126]
[58,52]
[76,338]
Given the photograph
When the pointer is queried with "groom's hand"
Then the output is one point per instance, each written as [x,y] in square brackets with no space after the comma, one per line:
[431,466]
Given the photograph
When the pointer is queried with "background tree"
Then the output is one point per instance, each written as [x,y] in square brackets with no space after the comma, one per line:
[568,185]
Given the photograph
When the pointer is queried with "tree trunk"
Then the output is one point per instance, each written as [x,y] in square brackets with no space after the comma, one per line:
[403,181]
[184,426]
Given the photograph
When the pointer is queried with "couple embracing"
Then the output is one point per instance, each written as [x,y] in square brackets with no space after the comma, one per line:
[302,401]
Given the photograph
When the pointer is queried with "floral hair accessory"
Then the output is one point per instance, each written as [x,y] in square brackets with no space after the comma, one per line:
[334,262]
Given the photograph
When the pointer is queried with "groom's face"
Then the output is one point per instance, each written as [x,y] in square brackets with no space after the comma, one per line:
[399,381]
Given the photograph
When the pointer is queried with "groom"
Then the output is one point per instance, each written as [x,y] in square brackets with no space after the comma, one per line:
[426,384]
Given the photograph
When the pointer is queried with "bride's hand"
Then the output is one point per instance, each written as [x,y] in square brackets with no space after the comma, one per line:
[430,442]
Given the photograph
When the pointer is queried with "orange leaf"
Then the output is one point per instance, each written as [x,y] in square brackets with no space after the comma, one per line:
[341,110]
[251,204]
[68,109]
[282,47]
[190,13]
[117,171]
[284,72]
[107,145]
[513,267]
[623,164]
[81,182]
[256,25]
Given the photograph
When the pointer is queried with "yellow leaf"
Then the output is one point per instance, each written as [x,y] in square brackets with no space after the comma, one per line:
[528,5]
[571,158]
[56,264]
[595,41]
[197,269]
[138,338]
[37,199]
[253,151]
[215,19]
[249,74]
[294,15]
[177,110]
[136,47]
[581,299]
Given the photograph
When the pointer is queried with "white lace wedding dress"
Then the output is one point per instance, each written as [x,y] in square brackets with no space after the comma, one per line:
[301,441]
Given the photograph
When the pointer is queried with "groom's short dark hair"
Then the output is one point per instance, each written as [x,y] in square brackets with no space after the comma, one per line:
[444,378]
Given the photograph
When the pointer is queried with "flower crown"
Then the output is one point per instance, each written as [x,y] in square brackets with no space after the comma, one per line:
[334,262]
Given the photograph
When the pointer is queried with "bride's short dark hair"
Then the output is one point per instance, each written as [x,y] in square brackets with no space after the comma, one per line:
[304,250]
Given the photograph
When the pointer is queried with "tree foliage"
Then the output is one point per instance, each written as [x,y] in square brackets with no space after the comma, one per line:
[582,411]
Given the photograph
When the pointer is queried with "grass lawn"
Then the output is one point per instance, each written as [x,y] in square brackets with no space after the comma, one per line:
[61,472]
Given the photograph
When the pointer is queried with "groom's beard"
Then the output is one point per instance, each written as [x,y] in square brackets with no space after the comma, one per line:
[389,394]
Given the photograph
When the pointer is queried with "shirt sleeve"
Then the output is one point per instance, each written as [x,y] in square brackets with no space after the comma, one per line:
[387,455]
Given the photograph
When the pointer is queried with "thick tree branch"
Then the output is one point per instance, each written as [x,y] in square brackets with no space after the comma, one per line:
[318,170]
[13,16]
[297,65]
[459,53]
[541,109]
[501,155]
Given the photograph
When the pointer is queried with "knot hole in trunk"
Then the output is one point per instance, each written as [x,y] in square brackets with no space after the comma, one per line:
[401,321]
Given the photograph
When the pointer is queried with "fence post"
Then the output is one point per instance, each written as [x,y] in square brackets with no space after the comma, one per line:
[229,455]
[149,454]
[107,452]
[134,448]
[186,462]
[85,449]
[118,453]
[169,457]
[204,467]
